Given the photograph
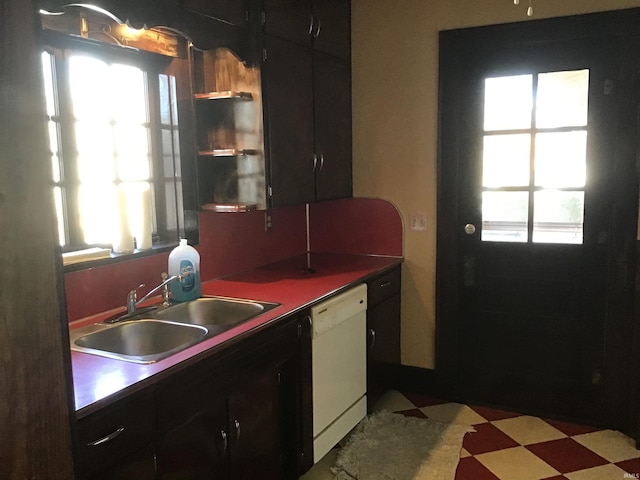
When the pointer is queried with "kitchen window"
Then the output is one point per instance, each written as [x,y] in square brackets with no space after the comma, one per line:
[114,143]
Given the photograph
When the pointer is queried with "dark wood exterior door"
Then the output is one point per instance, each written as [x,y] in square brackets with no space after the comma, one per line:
[524,221]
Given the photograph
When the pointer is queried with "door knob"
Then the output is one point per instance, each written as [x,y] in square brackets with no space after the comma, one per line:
[469,229]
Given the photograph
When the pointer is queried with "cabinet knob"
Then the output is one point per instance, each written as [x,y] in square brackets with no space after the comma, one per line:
[225,442]
[310,24]
[236,425]
[317,34]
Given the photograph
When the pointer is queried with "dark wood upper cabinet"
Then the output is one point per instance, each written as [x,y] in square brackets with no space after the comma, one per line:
[332,32]
[308,100]
[332,121]
[323,24]
[289,106]
[231,11]
[291,20]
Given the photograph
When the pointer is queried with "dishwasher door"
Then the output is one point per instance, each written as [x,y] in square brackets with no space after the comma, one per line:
[339,367]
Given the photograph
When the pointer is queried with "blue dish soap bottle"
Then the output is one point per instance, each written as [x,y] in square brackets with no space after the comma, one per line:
[184,260]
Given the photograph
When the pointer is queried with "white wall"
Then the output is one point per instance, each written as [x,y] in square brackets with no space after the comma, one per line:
[395,98]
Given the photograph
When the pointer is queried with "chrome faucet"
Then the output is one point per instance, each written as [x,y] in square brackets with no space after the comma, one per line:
[133,302]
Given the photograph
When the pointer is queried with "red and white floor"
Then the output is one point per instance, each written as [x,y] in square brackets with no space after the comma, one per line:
[512,446]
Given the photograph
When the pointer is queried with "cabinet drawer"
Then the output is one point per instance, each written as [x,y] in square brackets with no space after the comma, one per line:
[383,287]
[107,437]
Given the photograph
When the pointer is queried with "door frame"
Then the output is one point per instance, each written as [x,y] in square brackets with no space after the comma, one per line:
[457,48]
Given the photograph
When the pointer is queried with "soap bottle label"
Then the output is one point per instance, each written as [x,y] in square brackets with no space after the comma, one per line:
[188,275]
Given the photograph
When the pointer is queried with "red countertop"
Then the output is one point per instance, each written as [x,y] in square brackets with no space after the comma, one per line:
[99,381]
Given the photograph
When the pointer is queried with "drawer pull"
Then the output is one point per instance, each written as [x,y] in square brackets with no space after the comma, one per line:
[236,425]
[225,443]
[372,334]
[385,284]
[108,438]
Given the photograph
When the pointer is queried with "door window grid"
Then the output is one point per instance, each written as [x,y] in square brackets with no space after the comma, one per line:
[534,171]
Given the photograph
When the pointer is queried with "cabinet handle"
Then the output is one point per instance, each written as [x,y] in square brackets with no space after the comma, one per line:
[321,161]
[236,425]
[225,442]
[385,284]
[108,438]
[315,162]
[310,24]
[317,34]
[372,333]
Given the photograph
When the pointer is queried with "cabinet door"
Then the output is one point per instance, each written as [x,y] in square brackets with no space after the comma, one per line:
[332,29]
[255,425]
[106,439]
[291,20]
[289,104]
[199,448]
[332,90]
[232,11]
[384,321]
[140,465]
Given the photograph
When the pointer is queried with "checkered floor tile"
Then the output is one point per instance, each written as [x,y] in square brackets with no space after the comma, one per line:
[511,446]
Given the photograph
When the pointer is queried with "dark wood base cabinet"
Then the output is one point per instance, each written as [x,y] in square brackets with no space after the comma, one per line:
[234,415]
[383,328]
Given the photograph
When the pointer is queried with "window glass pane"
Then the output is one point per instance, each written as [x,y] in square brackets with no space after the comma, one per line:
[57,201]
[508,102]
[504,216]
[560,159]
[55,149]
[562,99]
[139,200]
[95,151]
[129,94]
[47,70]
[505,160]
[97,203]
[90,88]
[132,146]
[165,99]
[558,217]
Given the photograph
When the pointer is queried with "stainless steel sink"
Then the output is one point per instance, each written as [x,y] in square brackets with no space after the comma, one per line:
[160,332]
[221,312]
[139,341]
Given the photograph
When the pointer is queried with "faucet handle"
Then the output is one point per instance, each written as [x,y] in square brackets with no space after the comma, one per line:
[166,293]
[132,298]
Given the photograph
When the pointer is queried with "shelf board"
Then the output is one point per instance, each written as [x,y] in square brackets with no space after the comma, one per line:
[228,152]
[217,207]
[224,95]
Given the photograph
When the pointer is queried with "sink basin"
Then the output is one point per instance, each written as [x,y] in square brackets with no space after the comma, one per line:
[220,312]
[153,334]
[140,341]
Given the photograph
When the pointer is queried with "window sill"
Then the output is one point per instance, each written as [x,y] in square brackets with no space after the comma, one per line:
[119,257]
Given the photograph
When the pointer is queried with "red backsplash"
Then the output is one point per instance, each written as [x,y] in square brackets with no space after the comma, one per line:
[356,225]
[234,242]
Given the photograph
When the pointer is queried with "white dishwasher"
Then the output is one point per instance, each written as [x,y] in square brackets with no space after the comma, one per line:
[339,367]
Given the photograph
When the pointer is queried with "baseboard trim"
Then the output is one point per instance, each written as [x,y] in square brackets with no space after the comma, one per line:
[413,379]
